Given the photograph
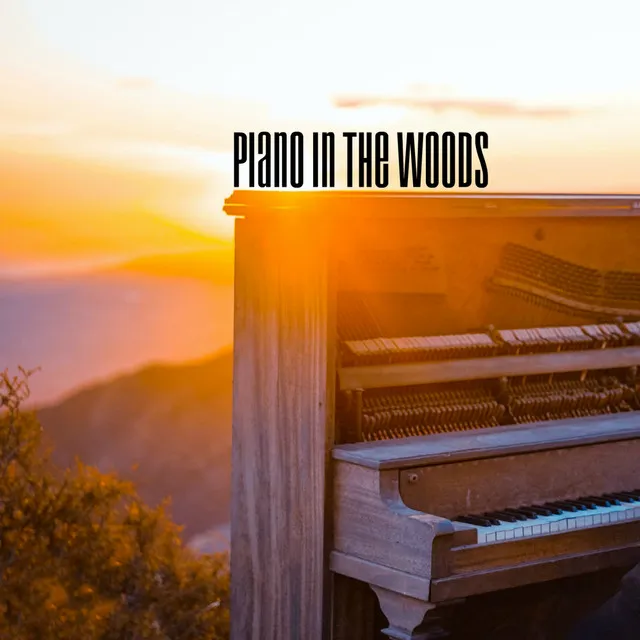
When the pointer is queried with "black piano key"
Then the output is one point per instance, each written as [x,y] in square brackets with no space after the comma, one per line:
[521,515]
[543,511]
[581,507]
[474,520]
[622,497]
[556,511]
[532,514]
[634,493]
[501,515]
[492,520]
[600,501]
[614,501]
[587,504]
[564,506]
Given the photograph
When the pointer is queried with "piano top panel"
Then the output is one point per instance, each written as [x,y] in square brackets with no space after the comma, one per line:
[358,203]
[488,443]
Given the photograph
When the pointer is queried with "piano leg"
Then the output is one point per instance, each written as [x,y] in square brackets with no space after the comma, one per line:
[412,619]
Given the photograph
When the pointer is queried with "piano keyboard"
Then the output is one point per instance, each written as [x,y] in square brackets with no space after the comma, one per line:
[554,517]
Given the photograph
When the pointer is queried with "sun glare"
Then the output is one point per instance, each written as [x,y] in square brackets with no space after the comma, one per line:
[161,85]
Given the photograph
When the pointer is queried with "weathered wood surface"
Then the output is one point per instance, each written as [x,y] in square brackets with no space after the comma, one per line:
[476,486]
[405,615]
[491,442]
[356,614]
[414,373]
[395,204]
[521,574]
[379,575]
[282,432]
[535,550]
[372,523]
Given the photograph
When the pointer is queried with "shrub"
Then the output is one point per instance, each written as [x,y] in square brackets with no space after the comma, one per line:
[83,558]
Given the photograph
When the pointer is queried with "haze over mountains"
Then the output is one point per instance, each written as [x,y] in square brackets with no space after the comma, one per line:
[90,326]
[173,422]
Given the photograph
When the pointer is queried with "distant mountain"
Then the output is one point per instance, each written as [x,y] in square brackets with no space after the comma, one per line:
[216,540]
[174,422]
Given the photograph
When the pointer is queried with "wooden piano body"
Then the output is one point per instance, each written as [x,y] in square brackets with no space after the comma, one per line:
[383,389]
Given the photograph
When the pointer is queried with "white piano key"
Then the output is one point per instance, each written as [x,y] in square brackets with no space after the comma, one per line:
[558,523]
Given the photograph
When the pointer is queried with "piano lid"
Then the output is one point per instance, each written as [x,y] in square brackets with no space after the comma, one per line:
[414,203]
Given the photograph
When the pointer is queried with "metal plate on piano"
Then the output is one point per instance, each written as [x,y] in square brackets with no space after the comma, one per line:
[417,269]
[496,441]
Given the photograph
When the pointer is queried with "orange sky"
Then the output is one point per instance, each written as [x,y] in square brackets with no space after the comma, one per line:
[116,116]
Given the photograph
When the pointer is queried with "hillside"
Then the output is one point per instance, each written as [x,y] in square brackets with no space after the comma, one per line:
[174,422]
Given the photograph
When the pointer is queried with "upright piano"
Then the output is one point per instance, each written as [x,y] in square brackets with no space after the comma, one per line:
[435,395]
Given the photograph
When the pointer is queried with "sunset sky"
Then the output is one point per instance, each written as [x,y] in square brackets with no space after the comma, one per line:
[116,116]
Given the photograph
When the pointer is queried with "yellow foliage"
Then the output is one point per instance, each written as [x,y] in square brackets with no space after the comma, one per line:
[83,558]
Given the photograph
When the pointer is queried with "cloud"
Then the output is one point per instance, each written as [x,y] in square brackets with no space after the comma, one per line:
[488,108]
